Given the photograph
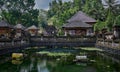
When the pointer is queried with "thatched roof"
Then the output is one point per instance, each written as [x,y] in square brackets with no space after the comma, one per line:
[77,24]
[4,24]
[19,26]
[109,33]
[116,26]
[32,27]
[50,27]
[80,16]
[49,30]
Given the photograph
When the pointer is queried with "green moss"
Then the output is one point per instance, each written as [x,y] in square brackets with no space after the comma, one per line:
[91,49]
[53,53]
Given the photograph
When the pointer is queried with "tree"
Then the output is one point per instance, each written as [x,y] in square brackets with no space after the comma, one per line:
[59,12]
[79,3]
[112,12]
[117,21]
[95,9]
[111,6]
[42,18]
[19,11]
[105,15]
[110,20]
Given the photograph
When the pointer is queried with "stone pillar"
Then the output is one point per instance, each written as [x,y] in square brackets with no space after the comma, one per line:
[65,34]
[116,31]
[70,32]
[88,32]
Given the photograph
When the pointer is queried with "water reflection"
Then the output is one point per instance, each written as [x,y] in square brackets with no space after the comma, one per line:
[17,62]
[36,65]
[32,64]
[41,66]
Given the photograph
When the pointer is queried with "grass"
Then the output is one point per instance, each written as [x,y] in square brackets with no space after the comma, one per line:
[54,53]
[91,49]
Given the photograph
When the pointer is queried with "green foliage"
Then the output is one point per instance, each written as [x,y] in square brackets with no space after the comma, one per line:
[79,4]
[110,20]
[117,21]
[59,12]
[67,60]
[23,12]
[106,16]
[56,54]
[94,8]
[19,11]
[42,18]
[99,25]
[112,12]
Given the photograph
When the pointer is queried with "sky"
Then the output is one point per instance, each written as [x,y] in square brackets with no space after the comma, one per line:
[44,4]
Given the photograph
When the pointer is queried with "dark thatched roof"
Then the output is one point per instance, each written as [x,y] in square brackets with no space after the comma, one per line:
[109,33]
[80,16]
[4,24]
[50,28]
[116,26]
[77,24]
[19,26]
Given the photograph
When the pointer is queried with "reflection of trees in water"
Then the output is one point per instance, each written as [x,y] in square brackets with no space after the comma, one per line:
[35,65]
[104,64]
[17,62]
[41,66]
[52,66]
[9,67]
[34,68]
[27,65]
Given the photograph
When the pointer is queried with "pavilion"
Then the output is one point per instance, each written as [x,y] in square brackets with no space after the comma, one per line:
[33,30]
[79,24]
[77,28]
[5,29]
[19,29]
[81,16]
[50,30]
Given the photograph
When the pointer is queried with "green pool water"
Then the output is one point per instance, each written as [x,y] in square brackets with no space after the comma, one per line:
[36,64]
